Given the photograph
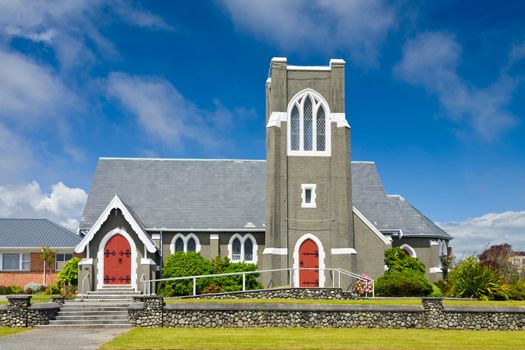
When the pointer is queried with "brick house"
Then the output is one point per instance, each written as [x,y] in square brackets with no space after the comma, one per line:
[21,242]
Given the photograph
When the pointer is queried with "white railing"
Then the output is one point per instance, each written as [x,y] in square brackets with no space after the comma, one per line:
[334,271]
[82,286]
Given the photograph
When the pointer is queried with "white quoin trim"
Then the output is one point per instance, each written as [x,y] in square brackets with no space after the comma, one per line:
[275,251]
[296,259]
[386,240]
[340,119]
[100,257]
[116,203]
[343,251]
[276,118]
[409,250]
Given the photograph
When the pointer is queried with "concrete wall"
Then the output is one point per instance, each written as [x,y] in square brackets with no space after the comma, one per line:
[370,250]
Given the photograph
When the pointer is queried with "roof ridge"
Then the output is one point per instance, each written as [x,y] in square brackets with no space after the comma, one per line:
[185,159]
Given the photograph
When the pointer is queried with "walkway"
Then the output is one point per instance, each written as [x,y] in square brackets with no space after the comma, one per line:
[61,338]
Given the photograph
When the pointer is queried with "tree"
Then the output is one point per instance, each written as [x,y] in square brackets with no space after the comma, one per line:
[48,257]
[498,257]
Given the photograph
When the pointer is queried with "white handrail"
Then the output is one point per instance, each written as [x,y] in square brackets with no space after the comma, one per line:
[82,286]
[244,273]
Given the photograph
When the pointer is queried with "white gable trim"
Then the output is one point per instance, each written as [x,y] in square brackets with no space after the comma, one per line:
[116,203]
[372,227]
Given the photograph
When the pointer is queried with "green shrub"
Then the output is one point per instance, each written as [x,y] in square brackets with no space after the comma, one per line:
[471,279]
[182,264]
[52,289]
[69,274]
[403,283]
[33,288]
[444,286]
[6,290]
[436,291]
[396,259]
[234,283]
[517,289]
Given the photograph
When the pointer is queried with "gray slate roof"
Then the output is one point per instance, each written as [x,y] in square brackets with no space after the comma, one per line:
[35,233]
[226,195]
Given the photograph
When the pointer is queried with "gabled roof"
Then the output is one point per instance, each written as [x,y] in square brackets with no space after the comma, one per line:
[186,194]
[33,233]
[116,203]
[388,212]
[181,193]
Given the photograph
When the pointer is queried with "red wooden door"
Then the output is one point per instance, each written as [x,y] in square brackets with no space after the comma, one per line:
[117,261]
[309,258]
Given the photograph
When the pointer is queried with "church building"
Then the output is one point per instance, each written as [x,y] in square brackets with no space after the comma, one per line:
[308,205]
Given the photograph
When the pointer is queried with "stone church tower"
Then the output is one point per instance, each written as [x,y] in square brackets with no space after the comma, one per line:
[309,220]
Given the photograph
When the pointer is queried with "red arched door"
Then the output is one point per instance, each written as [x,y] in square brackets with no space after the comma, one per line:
[308,258]
[117,261]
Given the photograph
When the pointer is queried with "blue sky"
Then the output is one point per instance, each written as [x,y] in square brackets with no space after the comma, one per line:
[434,90]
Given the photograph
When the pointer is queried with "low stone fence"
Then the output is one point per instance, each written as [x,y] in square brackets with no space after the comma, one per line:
[152,312]
[282,293]
[20,313]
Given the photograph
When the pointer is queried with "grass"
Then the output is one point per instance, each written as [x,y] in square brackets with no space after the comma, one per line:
[466,302]
[295,339]
[8,331]
[37,298]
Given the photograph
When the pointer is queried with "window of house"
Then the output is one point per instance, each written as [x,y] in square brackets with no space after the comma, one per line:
[185,243]
[308,195]
[14,261]
[308,128]
[61,259]
[243,248]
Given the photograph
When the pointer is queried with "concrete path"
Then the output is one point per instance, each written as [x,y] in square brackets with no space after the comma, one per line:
[60,338]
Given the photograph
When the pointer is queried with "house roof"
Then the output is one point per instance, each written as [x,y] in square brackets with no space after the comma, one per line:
[190,194]
[33,233]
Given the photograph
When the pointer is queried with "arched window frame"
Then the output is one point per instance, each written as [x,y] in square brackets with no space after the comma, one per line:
[243,239]
[317,102]
[185,239]
[409,250]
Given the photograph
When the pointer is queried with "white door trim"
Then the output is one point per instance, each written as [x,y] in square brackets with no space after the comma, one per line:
[296,259]
[100,257]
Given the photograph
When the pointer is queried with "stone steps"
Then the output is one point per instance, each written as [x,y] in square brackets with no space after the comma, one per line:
[107,307]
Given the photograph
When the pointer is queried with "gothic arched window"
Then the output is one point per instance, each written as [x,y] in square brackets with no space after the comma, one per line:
[179,245]
[191,245]
[243,248]
[182,243]
[309,129]
[236,249]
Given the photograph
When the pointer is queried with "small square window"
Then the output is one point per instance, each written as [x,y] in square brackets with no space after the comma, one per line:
[308,196]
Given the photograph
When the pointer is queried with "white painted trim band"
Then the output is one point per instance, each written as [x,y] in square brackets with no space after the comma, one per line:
[342,251]
[86,261]
[276,118]
[147,261]
[340,119]
[214,236]
[435,270]
[275,251]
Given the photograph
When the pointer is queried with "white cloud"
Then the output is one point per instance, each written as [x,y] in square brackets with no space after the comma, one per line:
[354,26]
[15,155]
[62,205]
[167,115]
[431,60]
[30,91]
[71,27]
[472,235]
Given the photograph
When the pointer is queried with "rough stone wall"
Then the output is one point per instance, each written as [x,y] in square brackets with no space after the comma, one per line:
[286,293]
[432,315]
[146,311]
[20,313]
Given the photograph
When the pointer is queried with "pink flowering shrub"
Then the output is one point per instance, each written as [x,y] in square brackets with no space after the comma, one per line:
[363,287]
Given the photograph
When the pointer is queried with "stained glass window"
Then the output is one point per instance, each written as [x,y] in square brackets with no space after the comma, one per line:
[321,129]
[192,245]
[179,245]
[236,250]
[308,132]
[248,250]
[294,129]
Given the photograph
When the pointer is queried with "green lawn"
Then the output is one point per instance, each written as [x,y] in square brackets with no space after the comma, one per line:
[37,298]
[359,301]
[278,338]
[8,331]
